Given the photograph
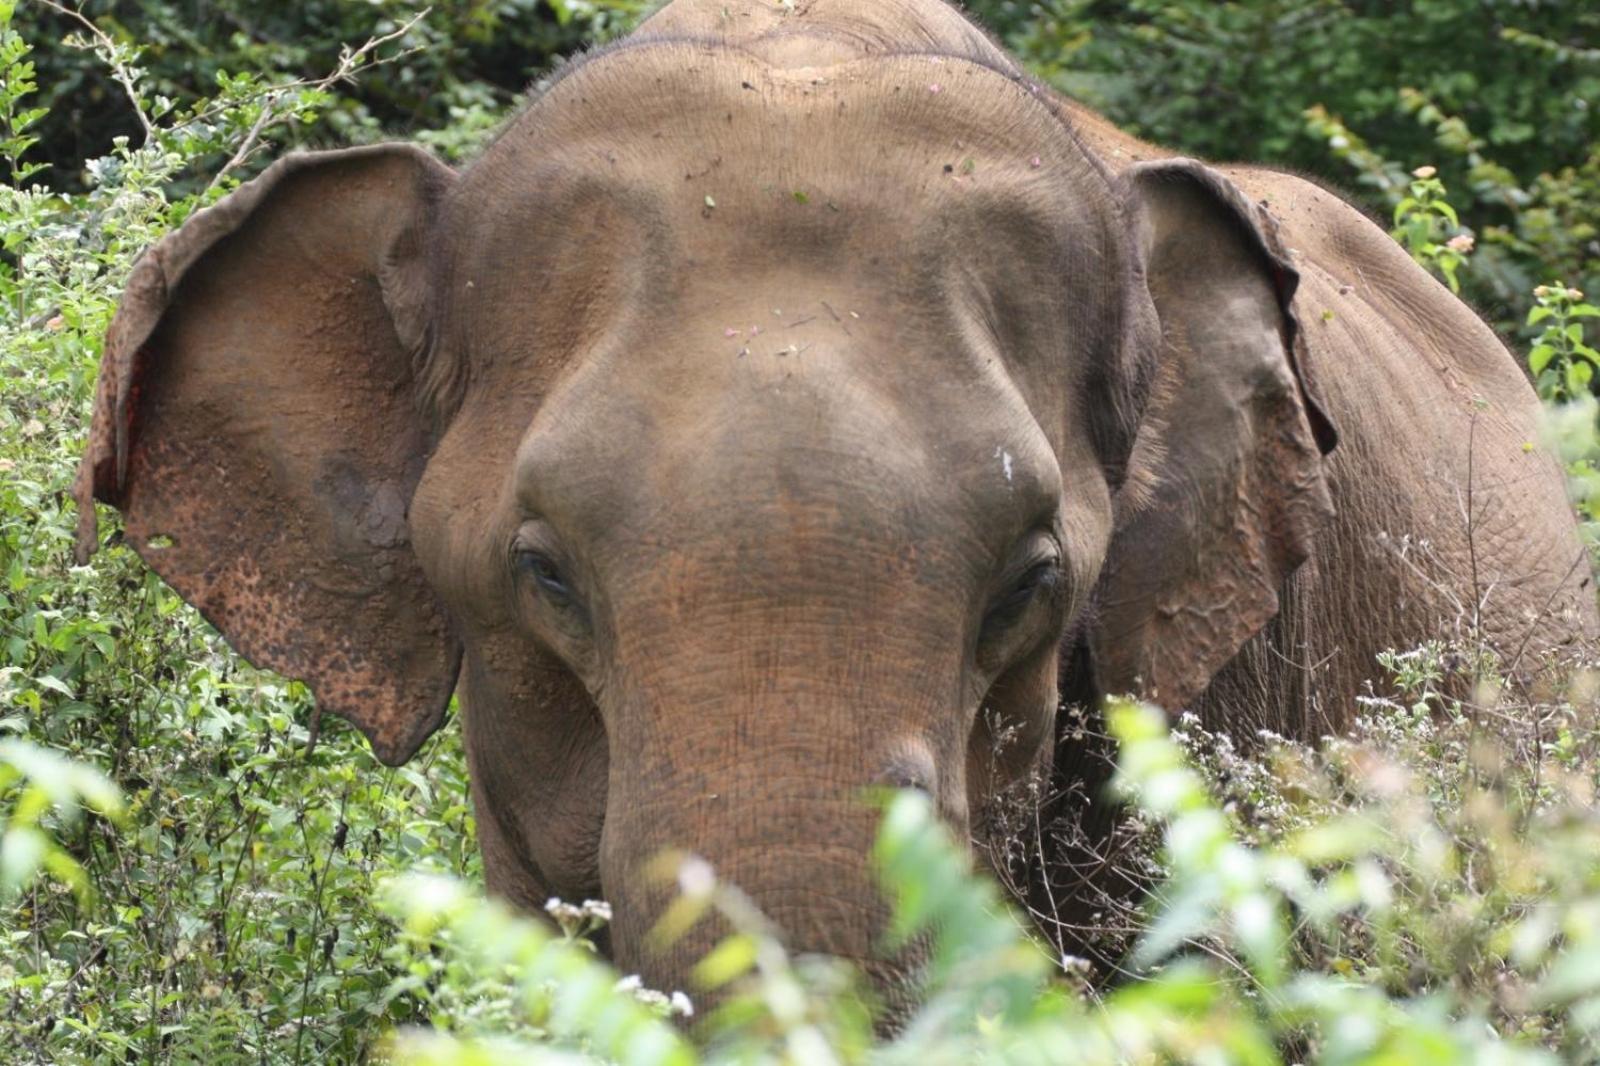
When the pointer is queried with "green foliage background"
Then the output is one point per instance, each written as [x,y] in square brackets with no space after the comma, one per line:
[211,894]
[1502,96]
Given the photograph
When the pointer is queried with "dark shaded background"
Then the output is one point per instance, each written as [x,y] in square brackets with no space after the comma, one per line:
[1502,95]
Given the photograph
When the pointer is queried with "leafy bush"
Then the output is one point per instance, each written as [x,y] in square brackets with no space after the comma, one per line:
[466,62]
[1423,224]
[1562,364]
[1504,97]
[232,920]
[1415,894]
[47,788]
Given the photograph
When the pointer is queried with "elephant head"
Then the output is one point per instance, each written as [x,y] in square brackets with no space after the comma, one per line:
[733,437]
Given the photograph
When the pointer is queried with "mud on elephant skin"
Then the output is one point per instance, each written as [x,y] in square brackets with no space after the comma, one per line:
[793,400]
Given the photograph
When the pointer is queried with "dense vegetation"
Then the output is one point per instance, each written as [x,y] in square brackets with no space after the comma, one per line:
[185,877]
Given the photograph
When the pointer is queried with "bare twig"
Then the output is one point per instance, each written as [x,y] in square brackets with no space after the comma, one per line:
[317,949]
[246,149]
[270,98]
[1472,539]
[349,61]
[119,70]
[1544,610]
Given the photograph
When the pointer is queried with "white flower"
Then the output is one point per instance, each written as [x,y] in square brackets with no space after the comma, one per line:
[1461,242]
[564,913]
[696,879]
[1424,172]
[681,1005]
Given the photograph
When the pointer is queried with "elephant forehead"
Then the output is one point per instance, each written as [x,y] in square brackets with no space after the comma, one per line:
[723,157]
[685,202]
[810,428]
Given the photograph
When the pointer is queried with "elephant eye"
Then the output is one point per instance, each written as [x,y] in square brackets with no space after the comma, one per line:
[1040,577]
[544,572]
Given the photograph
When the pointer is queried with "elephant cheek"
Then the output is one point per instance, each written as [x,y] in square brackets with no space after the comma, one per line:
[537,754]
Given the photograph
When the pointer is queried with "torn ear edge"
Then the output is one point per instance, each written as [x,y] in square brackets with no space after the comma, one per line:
[1262,231]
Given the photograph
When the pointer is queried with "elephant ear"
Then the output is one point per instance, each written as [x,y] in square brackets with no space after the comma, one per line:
[1224,487]
[256,422]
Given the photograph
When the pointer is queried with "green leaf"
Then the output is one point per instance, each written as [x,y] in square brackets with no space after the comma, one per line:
[1336,839]
[54,684]
[1578,376]
[22,853]
[727,962]
[1259,925]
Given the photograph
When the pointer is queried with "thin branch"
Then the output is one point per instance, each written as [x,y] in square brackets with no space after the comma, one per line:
[119,70]
[1472,539]
[315,949]
[271,98]
[246,149]
[348,63]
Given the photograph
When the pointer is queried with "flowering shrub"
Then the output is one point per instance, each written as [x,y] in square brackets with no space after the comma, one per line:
[1422,220]
[1562,364]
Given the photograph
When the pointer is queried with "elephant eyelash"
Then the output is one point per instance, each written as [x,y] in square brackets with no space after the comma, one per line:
[544,572]
[1041,578]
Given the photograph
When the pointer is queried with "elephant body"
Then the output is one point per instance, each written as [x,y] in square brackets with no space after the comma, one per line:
[798,399]
[1449,521]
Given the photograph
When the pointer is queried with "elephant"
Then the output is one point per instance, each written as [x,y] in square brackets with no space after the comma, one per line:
[799,399]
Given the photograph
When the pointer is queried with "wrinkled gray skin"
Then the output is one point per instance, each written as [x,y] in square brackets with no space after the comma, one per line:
[791,402]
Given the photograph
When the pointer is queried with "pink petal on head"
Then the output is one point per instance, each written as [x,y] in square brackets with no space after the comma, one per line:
[936,88]
[730,332]
[1036,162]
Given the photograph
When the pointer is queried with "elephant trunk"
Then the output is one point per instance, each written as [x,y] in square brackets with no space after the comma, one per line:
[774,789]
[816,892]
